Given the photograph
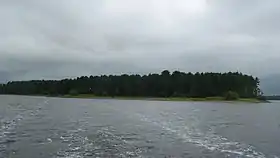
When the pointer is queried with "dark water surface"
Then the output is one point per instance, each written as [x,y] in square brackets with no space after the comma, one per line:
[39,127]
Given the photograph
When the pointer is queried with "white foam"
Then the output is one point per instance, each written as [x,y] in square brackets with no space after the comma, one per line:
[79,146]
[207,140]
[49,140]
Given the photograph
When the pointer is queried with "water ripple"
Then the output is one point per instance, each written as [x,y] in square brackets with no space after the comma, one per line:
[208,140]
[103,143]
[8,125]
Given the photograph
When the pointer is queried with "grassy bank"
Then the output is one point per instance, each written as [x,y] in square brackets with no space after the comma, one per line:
[90,96]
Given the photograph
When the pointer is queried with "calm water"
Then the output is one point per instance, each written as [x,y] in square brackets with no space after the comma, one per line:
[39,127]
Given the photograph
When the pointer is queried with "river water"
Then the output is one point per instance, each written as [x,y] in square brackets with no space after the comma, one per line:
[41,127]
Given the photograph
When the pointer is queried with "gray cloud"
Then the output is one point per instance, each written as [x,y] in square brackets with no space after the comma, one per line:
[67,38]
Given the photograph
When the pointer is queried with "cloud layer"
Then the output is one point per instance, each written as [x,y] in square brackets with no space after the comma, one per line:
[67,38]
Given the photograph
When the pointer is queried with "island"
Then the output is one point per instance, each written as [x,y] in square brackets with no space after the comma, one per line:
[173,86]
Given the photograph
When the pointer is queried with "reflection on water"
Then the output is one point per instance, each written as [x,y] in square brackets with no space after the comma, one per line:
[75,128]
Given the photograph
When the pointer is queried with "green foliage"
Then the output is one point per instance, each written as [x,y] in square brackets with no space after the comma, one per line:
[73,92]
[165,84]
[230,95]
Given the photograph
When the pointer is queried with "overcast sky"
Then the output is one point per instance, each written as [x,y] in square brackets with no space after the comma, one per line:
[55,39]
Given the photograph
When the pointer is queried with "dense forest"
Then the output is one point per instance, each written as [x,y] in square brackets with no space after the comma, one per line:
[166,84]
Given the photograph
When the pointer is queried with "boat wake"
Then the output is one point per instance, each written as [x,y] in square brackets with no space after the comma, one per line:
[206,140]
[8,125]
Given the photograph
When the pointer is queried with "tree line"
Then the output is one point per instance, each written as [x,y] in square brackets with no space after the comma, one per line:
[165,84]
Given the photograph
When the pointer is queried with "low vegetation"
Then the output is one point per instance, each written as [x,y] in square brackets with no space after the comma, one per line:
[230,95]
[73,92]
[90,96]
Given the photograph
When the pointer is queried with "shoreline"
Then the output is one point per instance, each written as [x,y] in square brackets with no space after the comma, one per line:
[176,99]
[182,99]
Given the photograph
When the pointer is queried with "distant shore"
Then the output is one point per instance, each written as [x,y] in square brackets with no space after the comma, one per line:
[219,99]
[206,99]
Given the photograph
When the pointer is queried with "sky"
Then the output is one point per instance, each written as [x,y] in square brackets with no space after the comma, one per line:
[54,39]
